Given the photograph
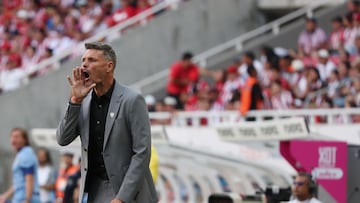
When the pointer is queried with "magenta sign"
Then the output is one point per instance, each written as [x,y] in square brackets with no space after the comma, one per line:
[327,161]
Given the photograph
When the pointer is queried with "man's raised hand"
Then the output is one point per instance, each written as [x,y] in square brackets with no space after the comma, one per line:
[80,86]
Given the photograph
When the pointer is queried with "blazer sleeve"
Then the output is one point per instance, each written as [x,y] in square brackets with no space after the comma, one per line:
[139,125]
[67,129]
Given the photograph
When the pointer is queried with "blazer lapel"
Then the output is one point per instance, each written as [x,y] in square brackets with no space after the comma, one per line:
[86,118]
[112,112]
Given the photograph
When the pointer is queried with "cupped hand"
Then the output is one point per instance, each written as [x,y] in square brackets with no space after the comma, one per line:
[80,86]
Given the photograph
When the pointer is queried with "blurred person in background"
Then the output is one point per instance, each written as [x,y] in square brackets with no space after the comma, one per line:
[353,6]
[251,94]
[70,194]
[150,102]
[285,67]
[46,176]
[325,66]
[336,38]
[279,97]
[24,188]
[312,38]
[154,164]
[351,22]
[67,168]
[297,71]
[304,189]
[333,84]
[247,60]
[13,76]
[232,84]
[310,83]
[183,75]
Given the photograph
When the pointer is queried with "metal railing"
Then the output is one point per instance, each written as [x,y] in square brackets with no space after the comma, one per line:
[238,43]
[107,34]
[329,116]
[286,4]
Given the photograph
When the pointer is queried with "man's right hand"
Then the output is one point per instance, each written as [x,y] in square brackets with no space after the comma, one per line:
[80,86]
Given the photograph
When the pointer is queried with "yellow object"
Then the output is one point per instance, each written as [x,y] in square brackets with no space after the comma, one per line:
[154,164]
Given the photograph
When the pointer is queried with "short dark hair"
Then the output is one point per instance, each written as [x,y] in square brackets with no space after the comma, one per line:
[107,50]
[250,55]
[187,55]
[311,19]
[251,70]
[310,182]
[23,134]
[336,19]
[305,174]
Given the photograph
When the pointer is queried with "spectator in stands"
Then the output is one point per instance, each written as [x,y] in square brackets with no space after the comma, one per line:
[13,76]
[143,5]
[351,22]
[279,97]
[183,75]
[268,66]
[91,15]
[297,69]
[356,50]
[312,38]
[310,83]
[248,59]
[29,59]
[251,93]
[86,21]
[275,74]
[5,52]
[150,102]
[46,176]
[285,67]
[353,6]
[67,168]
[325,66]
[215,100]
[125,12]
[336,39]
[46,55]
[267,54]
[199,97]
[343,69]
[24,188]
[233,104]
[333,84]
[232,84]
[304,189]
[356,90]
[170,104]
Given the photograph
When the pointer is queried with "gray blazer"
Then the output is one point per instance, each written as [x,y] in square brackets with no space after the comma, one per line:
[127,146]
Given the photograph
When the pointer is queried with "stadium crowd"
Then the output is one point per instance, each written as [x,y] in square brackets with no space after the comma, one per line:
[34,30]
[324,64]
[323,72]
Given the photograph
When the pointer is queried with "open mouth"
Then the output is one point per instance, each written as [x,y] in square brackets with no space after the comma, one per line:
[86,74]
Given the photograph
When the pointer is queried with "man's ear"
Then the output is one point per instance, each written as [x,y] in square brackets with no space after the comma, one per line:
[110,66]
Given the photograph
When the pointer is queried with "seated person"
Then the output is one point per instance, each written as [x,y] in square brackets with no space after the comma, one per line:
[304,189]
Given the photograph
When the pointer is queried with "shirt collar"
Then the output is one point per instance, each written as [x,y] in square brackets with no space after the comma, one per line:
[108,94]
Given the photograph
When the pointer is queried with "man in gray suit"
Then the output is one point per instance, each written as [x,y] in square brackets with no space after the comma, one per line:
[112,122]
